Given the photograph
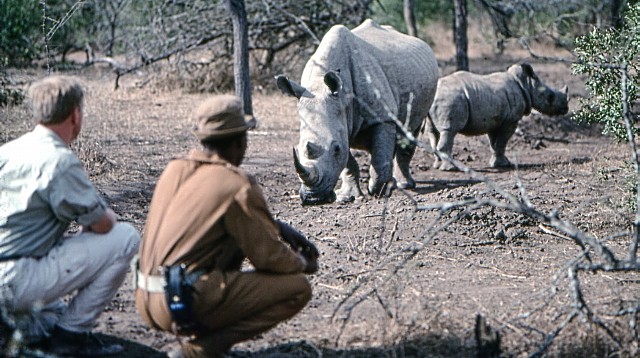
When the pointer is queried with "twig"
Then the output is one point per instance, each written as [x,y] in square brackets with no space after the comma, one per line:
[550,337]
[385,307]
[43,4]
[551,232]
[502,274]
[393,236]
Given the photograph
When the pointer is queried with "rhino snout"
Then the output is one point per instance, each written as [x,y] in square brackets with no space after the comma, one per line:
[313,197]
[560,108]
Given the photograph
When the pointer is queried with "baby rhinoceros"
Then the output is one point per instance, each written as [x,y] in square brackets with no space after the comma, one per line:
[491,104]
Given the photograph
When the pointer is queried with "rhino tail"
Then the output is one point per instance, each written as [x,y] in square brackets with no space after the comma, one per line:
[423,126]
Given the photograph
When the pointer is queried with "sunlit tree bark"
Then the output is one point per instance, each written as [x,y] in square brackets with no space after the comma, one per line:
[241,52]
[460,35]
[410,18]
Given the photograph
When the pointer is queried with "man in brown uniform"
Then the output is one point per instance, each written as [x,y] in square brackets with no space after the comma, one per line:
[209,215]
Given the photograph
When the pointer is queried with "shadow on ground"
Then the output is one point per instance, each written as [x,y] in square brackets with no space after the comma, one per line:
[421,347]
[432,186]
[425,346]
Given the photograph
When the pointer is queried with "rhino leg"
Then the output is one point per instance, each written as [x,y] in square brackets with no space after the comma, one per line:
[498,140]
[445,145]
[401,168]
[382,145]
[350,177]
[434,137]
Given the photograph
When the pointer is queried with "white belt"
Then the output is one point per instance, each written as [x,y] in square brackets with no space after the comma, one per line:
[152,284]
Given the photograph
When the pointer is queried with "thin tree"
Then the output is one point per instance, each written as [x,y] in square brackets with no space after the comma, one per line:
[460,35]
[410,18]
[241,52]
[617,7]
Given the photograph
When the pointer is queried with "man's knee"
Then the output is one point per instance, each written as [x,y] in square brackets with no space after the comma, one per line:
[304,290]
[126,238]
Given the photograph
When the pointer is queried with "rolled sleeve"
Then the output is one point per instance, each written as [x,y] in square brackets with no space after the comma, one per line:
[73,198]
[258,234]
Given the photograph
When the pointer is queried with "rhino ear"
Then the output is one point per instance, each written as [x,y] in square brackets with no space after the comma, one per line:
[528,70]
[333,81]
[291,88]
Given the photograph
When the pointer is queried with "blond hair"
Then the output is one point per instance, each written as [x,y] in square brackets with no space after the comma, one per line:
[54,98]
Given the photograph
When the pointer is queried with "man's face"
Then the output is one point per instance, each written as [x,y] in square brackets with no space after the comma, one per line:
[77,122]
[243,148]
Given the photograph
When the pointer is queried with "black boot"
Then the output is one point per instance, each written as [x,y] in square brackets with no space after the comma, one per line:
[79,344]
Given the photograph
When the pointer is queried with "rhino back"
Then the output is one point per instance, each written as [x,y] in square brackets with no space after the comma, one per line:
[417,72]
[332,53]
[492,100]
[367,58]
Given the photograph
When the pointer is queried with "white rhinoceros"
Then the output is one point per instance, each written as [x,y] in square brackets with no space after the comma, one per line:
[351,90]
[491,104]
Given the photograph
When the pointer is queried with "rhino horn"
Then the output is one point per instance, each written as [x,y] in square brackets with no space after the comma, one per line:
[565,90]
[309,176]
[291,88]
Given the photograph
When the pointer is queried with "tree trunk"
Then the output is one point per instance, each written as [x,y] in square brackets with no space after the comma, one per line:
[460,35]
[617,6]
[241,52]
[410,18]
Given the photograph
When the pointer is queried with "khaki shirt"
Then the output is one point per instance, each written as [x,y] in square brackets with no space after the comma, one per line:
[210,215]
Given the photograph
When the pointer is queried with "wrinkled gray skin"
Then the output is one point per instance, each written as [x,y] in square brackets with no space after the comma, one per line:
[491,104]
[350,91]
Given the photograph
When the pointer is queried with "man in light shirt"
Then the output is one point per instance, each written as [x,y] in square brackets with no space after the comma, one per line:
[43,189]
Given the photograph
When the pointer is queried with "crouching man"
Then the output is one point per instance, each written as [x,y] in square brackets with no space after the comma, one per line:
[43,188]
[206,217]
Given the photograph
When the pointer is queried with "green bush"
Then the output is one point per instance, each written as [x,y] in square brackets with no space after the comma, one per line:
[20,31]
[68,23]
[601,53]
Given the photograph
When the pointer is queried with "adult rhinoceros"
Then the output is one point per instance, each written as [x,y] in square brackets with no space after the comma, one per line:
[491,104]
[352,88]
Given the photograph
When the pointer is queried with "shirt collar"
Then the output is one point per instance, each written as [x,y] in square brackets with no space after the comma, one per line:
[44,132]
[199,155]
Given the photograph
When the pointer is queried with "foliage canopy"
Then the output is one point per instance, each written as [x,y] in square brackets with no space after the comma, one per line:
[602,55]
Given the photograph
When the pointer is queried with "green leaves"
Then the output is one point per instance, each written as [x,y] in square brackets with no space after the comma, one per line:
[19,31]
[602,55]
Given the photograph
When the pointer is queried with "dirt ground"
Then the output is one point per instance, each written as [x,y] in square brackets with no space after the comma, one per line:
[390,283]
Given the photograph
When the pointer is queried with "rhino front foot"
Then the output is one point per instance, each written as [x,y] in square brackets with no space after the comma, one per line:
[447,167]
[382,189]
[499,162]
[408,184]
[348,194]
[345,197]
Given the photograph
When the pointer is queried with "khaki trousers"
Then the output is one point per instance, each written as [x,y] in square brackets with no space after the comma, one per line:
[252,303]
[93,264]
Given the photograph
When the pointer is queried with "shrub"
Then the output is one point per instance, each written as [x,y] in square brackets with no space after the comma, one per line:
[19,32]
[601,55]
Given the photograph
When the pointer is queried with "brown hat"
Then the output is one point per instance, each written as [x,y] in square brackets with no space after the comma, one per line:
[221,116]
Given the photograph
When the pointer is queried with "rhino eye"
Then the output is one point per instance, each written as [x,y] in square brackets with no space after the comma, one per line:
[336,150]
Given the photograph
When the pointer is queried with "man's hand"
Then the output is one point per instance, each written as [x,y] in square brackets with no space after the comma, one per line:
[312,265]
[300,244]
[104,224]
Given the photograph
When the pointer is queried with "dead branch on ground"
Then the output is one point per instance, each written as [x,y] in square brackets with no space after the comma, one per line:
[595,256]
